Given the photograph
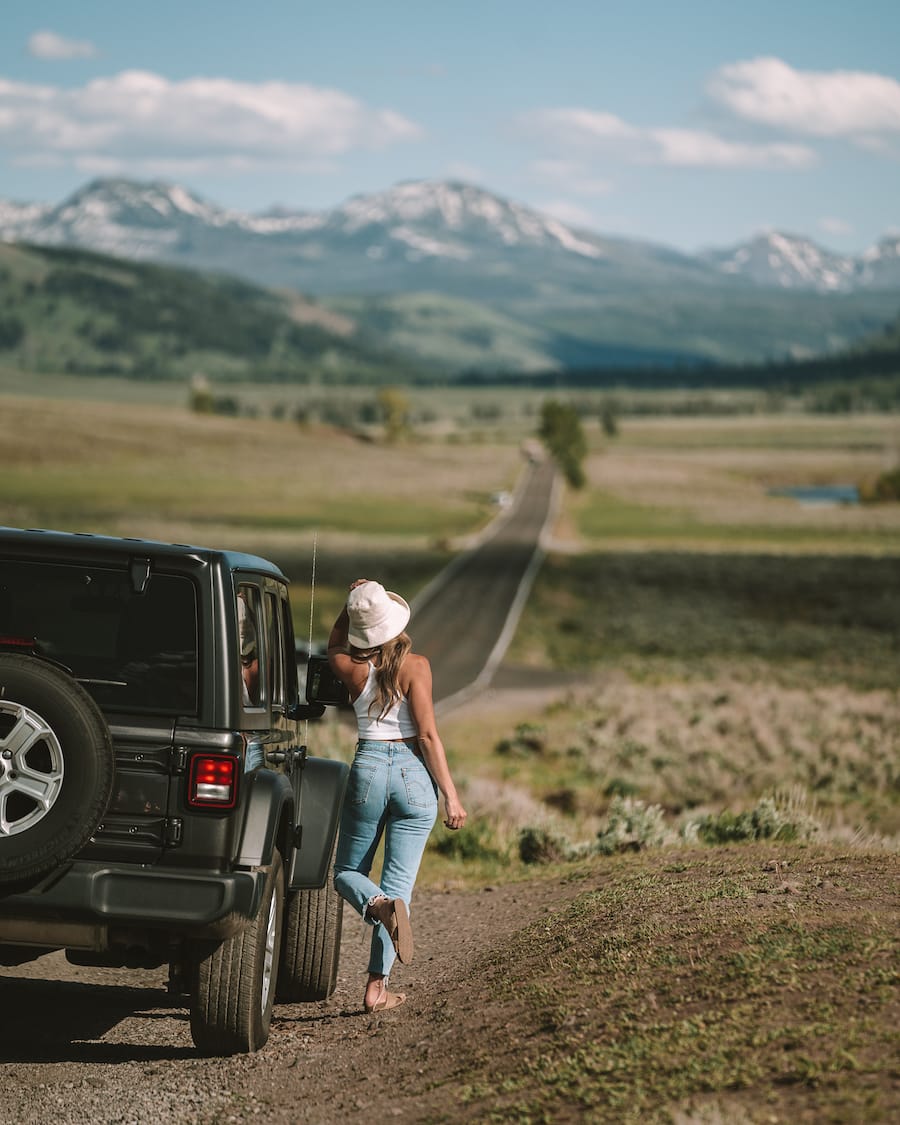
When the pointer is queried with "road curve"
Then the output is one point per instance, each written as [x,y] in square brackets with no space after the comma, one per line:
[464,620]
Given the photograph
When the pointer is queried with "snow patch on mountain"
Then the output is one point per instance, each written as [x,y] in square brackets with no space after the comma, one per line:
[430,247]
[16,217]
[463,209]
[787,261]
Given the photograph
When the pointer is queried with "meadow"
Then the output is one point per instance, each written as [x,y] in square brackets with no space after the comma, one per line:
[696,642]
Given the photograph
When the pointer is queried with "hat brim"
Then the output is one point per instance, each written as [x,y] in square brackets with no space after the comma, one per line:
[390,626]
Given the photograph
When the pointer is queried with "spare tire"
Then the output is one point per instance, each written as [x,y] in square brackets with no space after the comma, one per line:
[56,768]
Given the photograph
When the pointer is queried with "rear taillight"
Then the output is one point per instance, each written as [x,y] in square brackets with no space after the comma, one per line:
[213,782]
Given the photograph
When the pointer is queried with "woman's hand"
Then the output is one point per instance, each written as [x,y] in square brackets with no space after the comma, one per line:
[455,814]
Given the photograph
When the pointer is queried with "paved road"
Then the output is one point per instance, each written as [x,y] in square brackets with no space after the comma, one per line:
[465,621]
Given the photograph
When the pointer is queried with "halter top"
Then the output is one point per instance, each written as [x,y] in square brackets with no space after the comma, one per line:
[396,724]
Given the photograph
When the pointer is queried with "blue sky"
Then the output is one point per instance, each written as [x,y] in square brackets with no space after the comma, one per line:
[691,123]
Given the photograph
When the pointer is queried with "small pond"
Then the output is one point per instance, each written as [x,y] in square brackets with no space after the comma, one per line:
[819,495]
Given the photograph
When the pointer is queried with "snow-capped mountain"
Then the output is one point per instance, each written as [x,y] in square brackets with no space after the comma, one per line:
[788,262]
[492,273]
[468,215]
[417,235]
[880,266]
[133,220]
[453,238]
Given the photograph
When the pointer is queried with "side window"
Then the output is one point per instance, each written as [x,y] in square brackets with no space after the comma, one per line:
[248,611]
[275,649]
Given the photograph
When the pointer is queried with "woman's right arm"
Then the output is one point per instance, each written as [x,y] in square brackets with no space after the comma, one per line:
[338,657]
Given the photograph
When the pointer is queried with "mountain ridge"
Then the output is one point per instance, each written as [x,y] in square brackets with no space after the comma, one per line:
[153,218]
[558,296]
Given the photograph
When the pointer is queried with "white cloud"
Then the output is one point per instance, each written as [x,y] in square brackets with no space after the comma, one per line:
[49,45]
[137,117]
[698,149]
[600,134]
[837,103]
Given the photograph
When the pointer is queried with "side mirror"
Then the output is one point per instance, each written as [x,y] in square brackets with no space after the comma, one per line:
[306,711]
[322,685]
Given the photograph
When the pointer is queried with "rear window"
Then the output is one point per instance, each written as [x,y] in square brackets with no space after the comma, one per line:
[133,652]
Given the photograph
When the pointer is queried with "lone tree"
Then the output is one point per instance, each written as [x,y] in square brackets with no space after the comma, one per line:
[561,432]
[394,407]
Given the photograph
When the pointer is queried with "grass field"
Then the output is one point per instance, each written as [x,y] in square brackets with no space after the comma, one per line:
[724,641]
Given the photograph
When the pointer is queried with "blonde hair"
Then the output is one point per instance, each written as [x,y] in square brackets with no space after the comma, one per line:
[387,687]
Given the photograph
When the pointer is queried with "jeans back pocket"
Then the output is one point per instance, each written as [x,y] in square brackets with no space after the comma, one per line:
[359,783]
[420,788]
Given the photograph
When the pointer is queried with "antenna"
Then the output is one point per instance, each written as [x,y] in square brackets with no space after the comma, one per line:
[312,602]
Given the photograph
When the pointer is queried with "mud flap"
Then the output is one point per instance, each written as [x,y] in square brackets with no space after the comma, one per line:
[318,795]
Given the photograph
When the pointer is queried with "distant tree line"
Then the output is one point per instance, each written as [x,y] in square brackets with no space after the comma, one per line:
[791,376]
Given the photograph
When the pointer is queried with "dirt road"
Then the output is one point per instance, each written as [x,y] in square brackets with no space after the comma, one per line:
[104,1046]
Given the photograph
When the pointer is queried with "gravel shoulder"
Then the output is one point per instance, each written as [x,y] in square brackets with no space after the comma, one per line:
[92,1045]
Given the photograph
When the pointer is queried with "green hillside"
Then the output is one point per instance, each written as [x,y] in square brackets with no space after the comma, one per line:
[447,333]
[79,313]
[74,312]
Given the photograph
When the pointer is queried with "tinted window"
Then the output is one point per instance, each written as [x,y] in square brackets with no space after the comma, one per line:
[133,652]
[248,640]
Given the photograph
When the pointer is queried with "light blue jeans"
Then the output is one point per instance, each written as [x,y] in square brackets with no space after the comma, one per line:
[390,793]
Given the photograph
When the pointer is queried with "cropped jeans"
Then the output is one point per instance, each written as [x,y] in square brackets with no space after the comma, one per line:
[390,793]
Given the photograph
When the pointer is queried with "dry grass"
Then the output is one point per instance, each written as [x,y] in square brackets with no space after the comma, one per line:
[694,747]
[164,471]
[684,481]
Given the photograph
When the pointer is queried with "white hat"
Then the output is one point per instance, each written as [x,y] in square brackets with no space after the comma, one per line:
[376,615]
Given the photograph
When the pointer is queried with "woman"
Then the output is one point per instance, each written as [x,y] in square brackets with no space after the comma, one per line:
[399,766]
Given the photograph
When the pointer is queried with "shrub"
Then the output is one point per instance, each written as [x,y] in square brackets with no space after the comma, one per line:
[540,845]
[884,488]
[631,826]
[619,787]
[528,739]
[477,841]
[773,818]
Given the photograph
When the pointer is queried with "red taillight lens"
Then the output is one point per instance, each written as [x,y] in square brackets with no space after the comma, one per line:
[213,782]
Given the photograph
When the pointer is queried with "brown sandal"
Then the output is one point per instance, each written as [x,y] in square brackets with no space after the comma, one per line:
[385,1001]
[400,930]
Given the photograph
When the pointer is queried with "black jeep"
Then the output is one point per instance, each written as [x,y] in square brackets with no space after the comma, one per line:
[156,804]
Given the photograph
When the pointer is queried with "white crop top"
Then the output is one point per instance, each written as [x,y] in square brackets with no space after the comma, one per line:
[396,724]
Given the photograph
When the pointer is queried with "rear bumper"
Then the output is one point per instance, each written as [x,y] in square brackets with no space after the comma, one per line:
[79,908]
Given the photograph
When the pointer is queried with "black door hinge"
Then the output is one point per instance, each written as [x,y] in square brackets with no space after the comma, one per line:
[178,759]
[174,831]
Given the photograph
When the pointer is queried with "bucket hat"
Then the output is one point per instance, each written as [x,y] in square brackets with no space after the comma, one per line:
[376,615]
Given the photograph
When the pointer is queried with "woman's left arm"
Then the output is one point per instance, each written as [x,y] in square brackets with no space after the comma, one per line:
[421,705]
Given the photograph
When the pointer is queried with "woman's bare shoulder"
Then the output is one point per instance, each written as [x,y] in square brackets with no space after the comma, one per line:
[416,667]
